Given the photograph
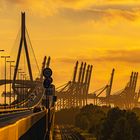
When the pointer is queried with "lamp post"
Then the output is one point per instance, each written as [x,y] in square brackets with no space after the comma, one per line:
[18,78]
[12,66]
[10,80]
[5,58]
[24,78]
[26,90]
[21,78]
[1,50]
[19,71]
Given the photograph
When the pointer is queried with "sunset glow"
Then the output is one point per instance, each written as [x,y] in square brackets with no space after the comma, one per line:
[104,33]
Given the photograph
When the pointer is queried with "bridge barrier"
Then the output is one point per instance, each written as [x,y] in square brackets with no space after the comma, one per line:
[32,127]
[2,111]
[15,105]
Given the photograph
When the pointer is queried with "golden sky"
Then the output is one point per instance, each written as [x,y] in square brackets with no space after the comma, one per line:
[104,33]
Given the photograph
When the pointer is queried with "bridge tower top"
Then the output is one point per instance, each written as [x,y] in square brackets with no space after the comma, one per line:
[23,43]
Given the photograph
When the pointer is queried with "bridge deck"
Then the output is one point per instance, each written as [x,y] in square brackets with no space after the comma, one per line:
[7,119]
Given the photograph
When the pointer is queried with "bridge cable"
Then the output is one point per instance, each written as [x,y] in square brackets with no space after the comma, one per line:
[33,51]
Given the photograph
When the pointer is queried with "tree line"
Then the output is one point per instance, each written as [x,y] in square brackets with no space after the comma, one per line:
[107,123]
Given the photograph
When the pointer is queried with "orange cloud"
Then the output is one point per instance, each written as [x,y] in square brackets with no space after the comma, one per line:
[80,9]
[125,56]
[121,56]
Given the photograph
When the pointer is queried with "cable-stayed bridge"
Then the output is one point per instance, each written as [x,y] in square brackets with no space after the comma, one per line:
[28,114]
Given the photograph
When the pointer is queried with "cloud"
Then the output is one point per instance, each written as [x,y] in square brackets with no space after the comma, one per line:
[79,10]
[73,4]
[16,1]
[121,56]
[38,7]
[127,56]
[69,60]
[102,12]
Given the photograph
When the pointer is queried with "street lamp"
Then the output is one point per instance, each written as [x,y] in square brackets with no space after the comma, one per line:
[18,91]
[1,50]
[5,58]
[27,77]
[10,80]
[21,73]
[24,78]
[18,72]
[12,66]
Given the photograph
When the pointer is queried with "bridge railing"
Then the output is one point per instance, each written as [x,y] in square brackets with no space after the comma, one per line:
[12,110]
[22,103]
[31,127]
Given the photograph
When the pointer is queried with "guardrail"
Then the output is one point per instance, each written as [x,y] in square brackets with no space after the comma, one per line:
[35,126]
[31,127]
[25,101]
[14,107]
[13,110]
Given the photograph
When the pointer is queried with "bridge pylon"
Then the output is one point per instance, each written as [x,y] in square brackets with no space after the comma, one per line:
[23,43]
